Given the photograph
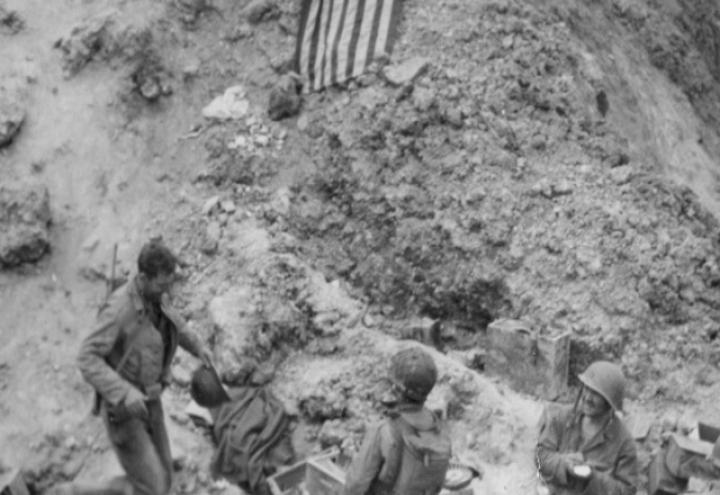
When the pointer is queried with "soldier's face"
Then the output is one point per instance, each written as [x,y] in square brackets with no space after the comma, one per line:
[155,287]
[387,393]
[593,404]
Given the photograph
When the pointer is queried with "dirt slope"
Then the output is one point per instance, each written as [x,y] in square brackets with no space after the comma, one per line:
[538,168]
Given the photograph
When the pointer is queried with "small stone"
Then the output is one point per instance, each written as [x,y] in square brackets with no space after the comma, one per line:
[231,105]
[423,99]
[238,32]
[91,243]
[261,10]
[191,68]
[12,116]
[622,174]
[405,72]
[227,206]
[303,122]
[284,100]
[210,204]
[618,159]
[563,187]
[454,117]
[212,238]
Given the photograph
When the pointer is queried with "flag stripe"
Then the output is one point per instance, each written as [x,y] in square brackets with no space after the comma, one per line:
[381,47]
[352,47]
[306,54]
[344,46]
[304,15]
[314,44]
[322,37]
[361,54]
[374,30]
[336,19]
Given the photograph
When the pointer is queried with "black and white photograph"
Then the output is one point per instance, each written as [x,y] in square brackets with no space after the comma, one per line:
[359,247]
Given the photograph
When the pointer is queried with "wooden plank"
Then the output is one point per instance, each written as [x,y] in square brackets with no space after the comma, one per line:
[554,361]
[639,424]
[661,481]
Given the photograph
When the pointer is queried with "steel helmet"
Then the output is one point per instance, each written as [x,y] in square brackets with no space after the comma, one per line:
[606,379]
[414,372]
[206,388]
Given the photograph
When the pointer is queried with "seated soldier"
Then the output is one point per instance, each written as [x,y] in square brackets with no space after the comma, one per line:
[250,429]
[585,448]
[408,452]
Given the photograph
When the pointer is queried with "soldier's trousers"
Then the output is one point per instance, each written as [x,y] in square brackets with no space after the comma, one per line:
[143,449]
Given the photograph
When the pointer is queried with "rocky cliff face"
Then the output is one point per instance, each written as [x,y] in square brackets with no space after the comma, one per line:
[701,19]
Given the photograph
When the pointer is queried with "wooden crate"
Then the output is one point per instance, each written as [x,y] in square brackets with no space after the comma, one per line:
[687,458]
[320,475]
[661,481]
[533,363]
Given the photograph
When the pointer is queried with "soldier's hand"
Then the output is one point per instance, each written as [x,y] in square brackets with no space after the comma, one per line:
[572,459]
[135,404]
[206,357]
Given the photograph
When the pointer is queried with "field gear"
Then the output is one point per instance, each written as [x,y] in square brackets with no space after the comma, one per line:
[252,434]
[611,454]
[414,373]
[206,388]
[409,453]
[606,379]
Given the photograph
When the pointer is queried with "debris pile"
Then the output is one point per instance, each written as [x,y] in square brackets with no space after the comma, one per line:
[492,189]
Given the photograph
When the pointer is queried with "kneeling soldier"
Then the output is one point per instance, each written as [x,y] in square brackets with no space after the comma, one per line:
[585,448]
[409,452]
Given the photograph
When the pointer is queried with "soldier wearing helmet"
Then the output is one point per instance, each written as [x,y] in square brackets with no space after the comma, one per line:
[585,448]
[409,451]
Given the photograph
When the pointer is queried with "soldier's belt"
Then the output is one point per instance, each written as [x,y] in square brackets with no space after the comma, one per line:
[153,392]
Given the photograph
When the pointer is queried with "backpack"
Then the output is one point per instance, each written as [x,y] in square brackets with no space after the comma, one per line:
[418,460]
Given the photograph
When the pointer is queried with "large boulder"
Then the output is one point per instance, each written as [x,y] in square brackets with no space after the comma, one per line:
[24,224]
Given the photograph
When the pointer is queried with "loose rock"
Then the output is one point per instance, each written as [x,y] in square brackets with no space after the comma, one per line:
[230,105]
[285,100]
[261,10]
[12,116]
[24,224]
[406,72]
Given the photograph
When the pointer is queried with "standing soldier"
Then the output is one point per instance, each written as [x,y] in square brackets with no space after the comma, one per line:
[127,361]
[409,452]
[585,448]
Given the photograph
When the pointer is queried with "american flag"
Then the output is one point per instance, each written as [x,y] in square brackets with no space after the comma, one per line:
[338,39]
